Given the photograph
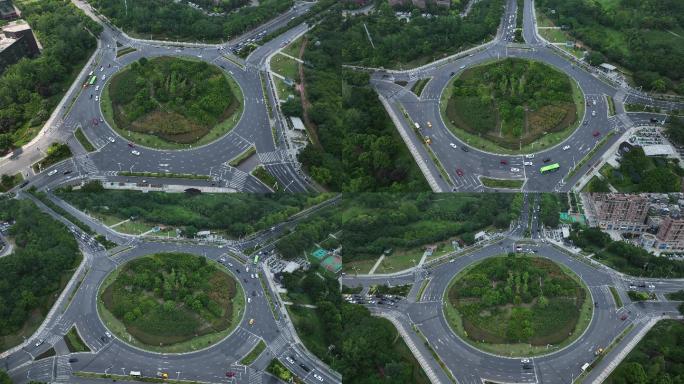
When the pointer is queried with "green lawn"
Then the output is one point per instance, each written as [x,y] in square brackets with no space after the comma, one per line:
[254,353]
[285,66]
[502,183]
[292,49]
[310,328]
[81,137]
[269,180]
[74,341]
[9,182]
[154,141]
[282,89]
[242,156]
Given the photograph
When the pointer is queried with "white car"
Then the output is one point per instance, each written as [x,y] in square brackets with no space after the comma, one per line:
[525,361]
[515,169]
[566,147]
[461,67]
[530,156]
[454,146]
[593,113]
[40,342]
[97,98]
[103,77]
[249,300]
[111,139]
[52,172]
[135,152]
[527,163]
[289,360]
[108,334]
[318,377]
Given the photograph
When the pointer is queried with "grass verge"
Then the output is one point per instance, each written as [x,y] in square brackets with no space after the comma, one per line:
[123,378]
[616,297]
[611,105]
[501,183]
[239,159]
[265,177]
[74,342]
[435,355]
[254,353]
[124,51]
[417,88]
[81,137]
[423,286]
[56,152]
[589,155]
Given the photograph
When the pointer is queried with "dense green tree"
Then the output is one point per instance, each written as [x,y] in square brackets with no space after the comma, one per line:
[31,88]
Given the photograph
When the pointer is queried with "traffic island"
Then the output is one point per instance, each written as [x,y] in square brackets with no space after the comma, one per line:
[512,106]
[517,306]
[172,103]
[171,303]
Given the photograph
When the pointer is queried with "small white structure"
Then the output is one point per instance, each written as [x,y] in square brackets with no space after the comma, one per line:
[566,231]
[297,123]
[663,150]
[482,235]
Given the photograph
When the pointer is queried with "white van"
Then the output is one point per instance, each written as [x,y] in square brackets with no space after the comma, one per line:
[135,374]
[97,88]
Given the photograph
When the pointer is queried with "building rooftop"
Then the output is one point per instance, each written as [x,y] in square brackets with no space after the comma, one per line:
[297,123]
[658,150]
[5,42]
[608,67]
[16,26]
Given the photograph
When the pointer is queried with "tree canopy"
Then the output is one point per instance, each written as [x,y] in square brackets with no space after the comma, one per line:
[44,256]
[31,88]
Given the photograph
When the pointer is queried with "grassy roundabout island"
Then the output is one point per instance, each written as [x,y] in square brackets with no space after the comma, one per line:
[518,305]
[171,302]
[172,103]
[512,106]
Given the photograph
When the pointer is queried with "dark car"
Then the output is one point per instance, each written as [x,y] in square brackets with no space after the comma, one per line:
[68,171]
[547,159]
[654,120]
[253,293]
[596,133]
[131,145]
[459,171]
[230,374]
[245,280]
[304,367]
[73,360]
[503,162]
[23,184]
[465,149]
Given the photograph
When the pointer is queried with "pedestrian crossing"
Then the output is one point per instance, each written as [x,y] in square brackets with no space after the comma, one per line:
[468,183]
[63,369]
[276,156]
[255,377]
[85,165]
[278,345]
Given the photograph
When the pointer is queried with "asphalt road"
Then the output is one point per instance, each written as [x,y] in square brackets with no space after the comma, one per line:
[471,365]
[114,154]
[454,154]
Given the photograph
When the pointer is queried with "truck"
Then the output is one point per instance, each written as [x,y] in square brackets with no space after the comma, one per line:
[162,375]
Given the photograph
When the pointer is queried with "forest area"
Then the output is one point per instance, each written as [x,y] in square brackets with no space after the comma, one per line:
[236,214]
[44,258]
[377,222]
[310,231]
[643,36]
[358,147]
[623,256]
[656,359]
[398,43]
[512,99]
[517,299]
[367,349]
[175,99]
[31,88]
[177,20]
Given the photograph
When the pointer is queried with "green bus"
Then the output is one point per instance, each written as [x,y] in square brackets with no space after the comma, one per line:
[549,168]
[256,259]
[92,80]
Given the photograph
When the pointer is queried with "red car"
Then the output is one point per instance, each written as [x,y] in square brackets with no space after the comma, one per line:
[131,145]
[503,162]
[597,133]
[623,317]
[230,374]
[459,171]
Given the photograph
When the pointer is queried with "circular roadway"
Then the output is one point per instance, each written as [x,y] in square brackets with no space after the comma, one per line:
[476,163]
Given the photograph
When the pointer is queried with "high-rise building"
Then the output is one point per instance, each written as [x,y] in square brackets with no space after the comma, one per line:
[619,211]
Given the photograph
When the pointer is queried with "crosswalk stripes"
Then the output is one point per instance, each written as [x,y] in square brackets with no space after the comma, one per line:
[255,377]
[54,339]
[277,345]
[85,165]
[271,157]
[63,369]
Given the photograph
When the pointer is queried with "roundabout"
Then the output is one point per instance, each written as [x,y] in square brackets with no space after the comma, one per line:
[511,106]
[171,303]
[517,305]
[171,103]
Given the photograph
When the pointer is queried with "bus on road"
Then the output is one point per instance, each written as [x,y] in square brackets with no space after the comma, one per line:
[549,168]
[256,259]
[92,80]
